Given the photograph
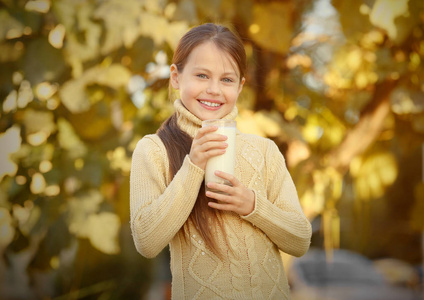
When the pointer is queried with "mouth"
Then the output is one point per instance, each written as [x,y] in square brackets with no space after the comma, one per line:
[211,104]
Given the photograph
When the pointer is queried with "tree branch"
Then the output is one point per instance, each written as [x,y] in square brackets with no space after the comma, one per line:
[366,130]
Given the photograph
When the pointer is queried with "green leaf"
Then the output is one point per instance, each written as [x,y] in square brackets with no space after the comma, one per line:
[42,62]
[10,27]
[36,121]
[69,140]
[7,230]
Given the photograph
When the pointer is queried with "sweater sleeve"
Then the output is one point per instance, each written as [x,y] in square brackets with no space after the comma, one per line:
[278,213]
[158,210]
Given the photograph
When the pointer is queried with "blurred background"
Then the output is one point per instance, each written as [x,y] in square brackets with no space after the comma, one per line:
[338,85]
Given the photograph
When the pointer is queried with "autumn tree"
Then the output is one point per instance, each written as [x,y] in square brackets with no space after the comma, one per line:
[337,84]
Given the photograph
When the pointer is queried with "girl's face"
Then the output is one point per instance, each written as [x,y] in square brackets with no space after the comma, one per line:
[210,82]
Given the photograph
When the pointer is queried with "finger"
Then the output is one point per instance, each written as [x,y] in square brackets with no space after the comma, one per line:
[212,137]
[231,178]
[217,195]
[213,152]
[213,145]
[224,188]
[220,206]
[205,130]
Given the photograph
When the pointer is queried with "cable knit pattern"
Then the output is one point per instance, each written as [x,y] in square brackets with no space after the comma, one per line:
[251,265]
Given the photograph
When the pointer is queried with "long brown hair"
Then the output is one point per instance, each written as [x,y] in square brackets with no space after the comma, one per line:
[177,142]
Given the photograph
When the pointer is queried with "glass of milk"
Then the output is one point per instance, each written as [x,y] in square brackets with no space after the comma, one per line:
[224,162]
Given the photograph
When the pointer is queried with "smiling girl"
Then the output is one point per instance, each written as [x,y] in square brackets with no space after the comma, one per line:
[223,245]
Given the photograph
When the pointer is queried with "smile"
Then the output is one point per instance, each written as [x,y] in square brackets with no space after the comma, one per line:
[210,104]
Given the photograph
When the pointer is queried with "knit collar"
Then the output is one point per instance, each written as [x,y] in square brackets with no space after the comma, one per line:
[189,122]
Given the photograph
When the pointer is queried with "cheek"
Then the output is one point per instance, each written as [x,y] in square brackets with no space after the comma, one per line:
[190,88]
[232,93]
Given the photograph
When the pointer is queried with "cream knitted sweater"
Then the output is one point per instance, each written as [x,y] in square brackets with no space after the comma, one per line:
[253,268]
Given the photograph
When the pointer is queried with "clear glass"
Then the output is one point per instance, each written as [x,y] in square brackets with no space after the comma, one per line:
[226,161]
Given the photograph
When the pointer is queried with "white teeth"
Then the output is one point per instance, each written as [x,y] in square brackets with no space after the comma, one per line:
[210,103]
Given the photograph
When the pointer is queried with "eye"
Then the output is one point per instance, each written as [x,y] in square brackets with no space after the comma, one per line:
[203,76]
[227,80]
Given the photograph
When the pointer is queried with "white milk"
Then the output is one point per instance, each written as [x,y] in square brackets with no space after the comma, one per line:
[224,162]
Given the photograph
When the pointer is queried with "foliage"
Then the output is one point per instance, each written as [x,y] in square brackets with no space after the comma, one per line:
[338,86]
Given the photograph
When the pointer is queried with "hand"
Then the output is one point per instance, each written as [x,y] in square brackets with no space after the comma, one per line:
[238,198]
[206,145]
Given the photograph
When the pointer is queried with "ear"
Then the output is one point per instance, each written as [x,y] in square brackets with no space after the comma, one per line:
[241,85]
[174,77]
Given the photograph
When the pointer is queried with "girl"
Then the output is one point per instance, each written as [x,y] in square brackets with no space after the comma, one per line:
[223,246]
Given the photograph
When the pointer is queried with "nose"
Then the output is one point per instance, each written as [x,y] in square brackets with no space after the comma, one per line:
[213,88]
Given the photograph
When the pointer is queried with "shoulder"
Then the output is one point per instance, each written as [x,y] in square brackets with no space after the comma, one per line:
[150,147]
[150,142]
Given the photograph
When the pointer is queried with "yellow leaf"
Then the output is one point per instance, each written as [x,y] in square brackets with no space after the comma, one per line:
[103,230]
[271,25]
[312,202]
[121,21]
[175,31]
[354,59]
[385,12]
[45,90]
[56,36]
[74,94]
[373,173]
[41,6]
[245,123]
[269,126]
[312,131]
[80,209]
[83,33]
[10,142]
[38,183]
[160,30]
[119,160]
[153,26]
[11,102]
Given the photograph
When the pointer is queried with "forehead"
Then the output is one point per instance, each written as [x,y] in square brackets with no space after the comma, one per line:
[208,55]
